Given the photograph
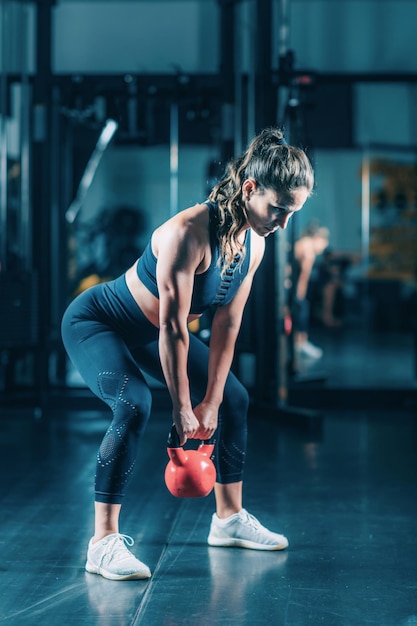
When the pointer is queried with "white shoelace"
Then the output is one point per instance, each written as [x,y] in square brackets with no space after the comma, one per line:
[117,548]
[251,520]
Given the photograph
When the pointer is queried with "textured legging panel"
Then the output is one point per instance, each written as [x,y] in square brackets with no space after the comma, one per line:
[111,343]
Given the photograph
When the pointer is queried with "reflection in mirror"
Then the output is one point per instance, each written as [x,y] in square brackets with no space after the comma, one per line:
[367,201]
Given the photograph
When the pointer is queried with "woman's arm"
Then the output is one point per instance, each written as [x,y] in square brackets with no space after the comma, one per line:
[224,332]
[180,253]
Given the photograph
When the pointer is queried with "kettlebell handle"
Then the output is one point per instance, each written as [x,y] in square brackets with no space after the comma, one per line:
[174,439]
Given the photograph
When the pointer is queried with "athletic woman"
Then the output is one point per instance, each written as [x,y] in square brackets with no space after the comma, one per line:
[312,243]
[205,256]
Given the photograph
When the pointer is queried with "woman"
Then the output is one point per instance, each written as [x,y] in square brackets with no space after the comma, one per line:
[205,256]
[313,242]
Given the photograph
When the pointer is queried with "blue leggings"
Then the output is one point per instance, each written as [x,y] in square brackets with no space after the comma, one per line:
[302,315]
[111,343]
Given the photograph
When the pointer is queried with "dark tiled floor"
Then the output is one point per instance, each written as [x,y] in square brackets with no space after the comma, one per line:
[346,496]
[358,358]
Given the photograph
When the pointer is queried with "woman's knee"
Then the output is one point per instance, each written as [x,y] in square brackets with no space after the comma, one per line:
[128,396]
[235,400]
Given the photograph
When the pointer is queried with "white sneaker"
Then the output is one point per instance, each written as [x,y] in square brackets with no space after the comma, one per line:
[243,530]
[308,349]
[110,558]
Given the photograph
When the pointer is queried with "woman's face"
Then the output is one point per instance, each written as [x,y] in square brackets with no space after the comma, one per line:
[266,210]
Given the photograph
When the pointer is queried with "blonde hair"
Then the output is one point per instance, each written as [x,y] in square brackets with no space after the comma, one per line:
[273,165]
[313,229]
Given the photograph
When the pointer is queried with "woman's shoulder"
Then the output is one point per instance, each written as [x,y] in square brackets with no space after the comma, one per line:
[193,221]
[189,224]
[303,248]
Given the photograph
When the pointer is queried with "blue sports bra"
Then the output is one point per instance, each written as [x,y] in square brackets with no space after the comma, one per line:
[210,287]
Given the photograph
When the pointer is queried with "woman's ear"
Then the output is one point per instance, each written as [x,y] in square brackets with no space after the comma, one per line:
[249,185]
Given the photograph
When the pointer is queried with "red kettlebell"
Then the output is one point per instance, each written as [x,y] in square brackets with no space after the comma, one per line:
[189,473]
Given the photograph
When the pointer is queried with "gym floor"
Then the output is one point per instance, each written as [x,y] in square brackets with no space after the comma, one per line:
[344,492]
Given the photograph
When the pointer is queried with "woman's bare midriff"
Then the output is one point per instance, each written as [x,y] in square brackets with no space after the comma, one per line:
[146,301]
